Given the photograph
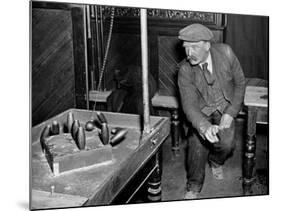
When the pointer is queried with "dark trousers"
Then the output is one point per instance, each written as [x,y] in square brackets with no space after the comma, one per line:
[200,151]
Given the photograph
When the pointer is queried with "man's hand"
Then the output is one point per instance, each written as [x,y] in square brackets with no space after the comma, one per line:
[226,121]
[211,133]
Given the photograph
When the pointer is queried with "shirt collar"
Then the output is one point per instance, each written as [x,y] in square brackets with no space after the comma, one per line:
[209,62]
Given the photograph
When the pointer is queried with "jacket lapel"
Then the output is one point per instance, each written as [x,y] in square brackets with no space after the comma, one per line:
[199,81]
[219,68]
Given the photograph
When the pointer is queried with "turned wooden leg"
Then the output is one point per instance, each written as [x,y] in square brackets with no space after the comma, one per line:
[175,132]
[250,150]
[154,182]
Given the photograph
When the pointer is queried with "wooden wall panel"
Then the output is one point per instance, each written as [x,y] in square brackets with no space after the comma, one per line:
[170,54]
[52,63]
[249,37]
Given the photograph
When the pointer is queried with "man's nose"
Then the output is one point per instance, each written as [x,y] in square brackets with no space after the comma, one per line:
[187,52]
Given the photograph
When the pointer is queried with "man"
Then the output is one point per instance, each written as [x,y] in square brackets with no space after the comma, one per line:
[212,88]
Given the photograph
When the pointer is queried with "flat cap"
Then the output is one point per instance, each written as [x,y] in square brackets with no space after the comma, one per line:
[195,33]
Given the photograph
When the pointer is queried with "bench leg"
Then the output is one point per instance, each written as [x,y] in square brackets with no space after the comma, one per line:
[154,182]
[175,132]
[250,151]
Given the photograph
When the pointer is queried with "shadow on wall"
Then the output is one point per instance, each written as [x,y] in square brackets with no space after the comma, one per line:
[127,97]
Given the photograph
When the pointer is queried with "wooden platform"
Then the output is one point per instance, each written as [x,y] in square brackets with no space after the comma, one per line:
[63,155]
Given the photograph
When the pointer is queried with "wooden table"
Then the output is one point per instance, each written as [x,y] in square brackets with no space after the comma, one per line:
[135,161]
[256,103]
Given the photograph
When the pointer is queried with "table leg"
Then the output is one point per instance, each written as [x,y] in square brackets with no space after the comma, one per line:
[154,182]
[175,131]
[250,150]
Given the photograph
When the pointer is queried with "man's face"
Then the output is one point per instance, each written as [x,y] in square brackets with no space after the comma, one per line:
[196,52]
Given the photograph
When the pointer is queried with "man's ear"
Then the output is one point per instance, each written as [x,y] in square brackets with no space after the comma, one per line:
[207,45]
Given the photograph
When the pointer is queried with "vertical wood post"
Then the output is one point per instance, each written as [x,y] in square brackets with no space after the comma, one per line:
[144,54]
[85,8]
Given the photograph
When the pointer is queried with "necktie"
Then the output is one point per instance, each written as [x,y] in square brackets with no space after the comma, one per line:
[208,76]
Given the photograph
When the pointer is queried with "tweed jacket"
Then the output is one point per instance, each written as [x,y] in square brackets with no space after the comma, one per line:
[193,91]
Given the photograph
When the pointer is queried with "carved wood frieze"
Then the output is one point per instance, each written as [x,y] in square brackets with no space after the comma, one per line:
[205,17]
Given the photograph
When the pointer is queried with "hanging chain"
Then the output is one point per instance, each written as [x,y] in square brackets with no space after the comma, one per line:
[106,52]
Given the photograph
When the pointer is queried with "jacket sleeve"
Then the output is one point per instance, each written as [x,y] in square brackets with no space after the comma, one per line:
[239,84]
[190,100]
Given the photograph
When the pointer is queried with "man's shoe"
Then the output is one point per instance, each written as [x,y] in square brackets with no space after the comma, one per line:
[217,171]
[190,195]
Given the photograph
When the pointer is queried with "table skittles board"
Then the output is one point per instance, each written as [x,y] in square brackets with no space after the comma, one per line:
[69,145]
[96,168]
